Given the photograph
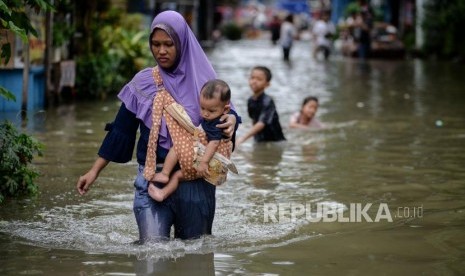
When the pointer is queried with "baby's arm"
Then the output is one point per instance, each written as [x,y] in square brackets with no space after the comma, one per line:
[210,150]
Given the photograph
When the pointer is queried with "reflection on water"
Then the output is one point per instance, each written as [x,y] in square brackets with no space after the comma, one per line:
[394,134]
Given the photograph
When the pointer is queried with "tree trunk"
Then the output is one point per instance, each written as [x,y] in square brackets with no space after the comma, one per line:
[25,82]
[50,93]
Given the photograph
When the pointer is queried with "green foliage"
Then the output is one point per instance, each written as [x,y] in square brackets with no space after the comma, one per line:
[17,151]
[96,75]
[6,52]
[409,40]
[352,8]
[63,30]
[123,51]
[14,18]
[128,44]
[443,24]
[7,94]
[378,14]
[232,31]
[61,34]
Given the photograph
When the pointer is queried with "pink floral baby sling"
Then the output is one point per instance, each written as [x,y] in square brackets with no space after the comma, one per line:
[188,141]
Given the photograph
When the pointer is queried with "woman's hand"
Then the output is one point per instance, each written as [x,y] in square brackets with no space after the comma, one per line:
[228,125]
[85,181]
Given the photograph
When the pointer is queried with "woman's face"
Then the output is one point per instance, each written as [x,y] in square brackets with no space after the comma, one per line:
[163,49]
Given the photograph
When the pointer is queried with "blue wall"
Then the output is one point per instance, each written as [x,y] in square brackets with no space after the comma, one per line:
[12,79]
[337,9]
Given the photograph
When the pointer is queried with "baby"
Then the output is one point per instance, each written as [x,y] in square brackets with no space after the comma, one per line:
[215,98]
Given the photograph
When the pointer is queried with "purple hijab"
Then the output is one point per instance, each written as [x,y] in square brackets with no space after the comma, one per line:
[184,81]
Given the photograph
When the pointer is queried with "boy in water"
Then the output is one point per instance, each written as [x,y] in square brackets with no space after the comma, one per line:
[261,109]
[215,96]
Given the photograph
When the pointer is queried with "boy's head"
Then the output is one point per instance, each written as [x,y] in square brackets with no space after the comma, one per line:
[260,78]
[215,96]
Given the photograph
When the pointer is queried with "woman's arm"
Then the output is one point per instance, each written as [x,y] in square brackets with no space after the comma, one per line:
[118,146]
[230,125]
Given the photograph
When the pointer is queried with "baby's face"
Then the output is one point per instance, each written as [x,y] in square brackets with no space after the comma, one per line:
[212,108]
[309,109]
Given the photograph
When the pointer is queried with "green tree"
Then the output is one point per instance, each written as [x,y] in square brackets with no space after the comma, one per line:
[13,17]
[17,149]
[113,52]
[443,25]
[16,153]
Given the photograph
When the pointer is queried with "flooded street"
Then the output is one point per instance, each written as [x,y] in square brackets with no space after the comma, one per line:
[389,162]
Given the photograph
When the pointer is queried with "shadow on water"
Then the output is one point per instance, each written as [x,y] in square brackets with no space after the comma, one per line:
[394,134]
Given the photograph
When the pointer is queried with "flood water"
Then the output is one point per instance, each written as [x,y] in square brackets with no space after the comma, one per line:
[393,146]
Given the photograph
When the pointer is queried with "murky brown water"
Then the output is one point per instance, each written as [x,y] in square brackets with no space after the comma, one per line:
[394,138]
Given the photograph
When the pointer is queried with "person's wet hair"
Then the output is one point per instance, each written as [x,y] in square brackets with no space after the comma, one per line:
[309,99]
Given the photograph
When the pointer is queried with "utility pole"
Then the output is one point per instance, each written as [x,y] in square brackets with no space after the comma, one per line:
[420,15]
[25,90]
[49,97]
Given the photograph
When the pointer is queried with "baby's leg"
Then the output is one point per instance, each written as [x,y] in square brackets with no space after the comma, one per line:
[161,177]
[161,194]
[170,161]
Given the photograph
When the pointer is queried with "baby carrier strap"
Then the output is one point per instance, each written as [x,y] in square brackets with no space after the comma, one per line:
[188,141]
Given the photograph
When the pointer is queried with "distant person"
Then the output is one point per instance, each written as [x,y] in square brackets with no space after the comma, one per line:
[323,32]
[262,109]
[362,29]
[214,103]
[305,118]
[287,35]
[275,28]
[363,26]
[366,7]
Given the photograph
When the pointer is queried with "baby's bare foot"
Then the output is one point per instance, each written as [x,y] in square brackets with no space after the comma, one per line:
[161,178]
[156,193]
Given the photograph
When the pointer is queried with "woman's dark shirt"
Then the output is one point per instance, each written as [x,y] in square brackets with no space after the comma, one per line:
[118,145]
